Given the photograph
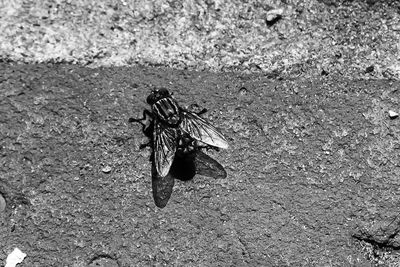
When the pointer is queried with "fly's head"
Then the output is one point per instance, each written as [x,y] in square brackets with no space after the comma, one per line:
[156,95]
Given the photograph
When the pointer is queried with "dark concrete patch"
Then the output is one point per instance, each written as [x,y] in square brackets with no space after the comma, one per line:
[310,163]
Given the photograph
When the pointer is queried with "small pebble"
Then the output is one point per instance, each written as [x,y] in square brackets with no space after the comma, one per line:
[274,14]
[2,203]
[243,91]
[393,115]
[15,257]
[106,169]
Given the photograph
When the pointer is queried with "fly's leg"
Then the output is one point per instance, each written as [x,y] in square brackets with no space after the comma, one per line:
[147,129]
[201,112]
[146,114]
[193,108]
[148,144]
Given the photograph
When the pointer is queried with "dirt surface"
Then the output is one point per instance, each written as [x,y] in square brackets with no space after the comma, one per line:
[312,169]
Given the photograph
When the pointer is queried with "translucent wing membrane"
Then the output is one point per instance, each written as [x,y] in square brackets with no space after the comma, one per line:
[201,130]
[164,148]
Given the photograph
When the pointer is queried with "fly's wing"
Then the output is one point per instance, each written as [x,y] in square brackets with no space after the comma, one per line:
[201,130]
[162,187]
[165,142]
[207,166]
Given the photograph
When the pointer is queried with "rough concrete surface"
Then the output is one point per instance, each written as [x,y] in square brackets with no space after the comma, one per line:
[306,92]
[313,171]
[353,38]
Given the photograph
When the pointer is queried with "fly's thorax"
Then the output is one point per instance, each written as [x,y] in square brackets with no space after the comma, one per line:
[167,110]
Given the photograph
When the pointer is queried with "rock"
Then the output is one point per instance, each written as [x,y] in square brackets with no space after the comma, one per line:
[2,204]
[15,257]
[393,114]
[106,169]
[273,16]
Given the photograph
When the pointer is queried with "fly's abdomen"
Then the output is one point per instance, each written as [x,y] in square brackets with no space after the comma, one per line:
[167,110]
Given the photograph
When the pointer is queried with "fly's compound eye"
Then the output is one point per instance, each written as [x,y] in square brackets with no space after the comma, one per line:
[157,95]
[163,91]
[152,98]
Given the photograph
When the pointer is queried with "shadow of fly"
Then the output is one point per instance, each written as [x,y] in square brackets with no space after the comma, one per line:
[177,136]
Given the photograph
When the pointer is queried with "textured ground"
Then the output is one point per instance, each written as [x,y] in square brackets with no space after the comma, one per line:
[302,91]
[352,38]
[312,171]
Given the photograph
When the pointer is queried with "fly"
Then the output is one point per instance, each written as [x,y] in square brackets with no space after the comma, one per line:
[177,137]
[172,126]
